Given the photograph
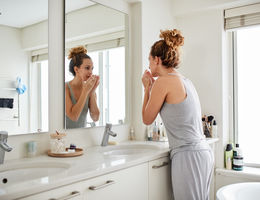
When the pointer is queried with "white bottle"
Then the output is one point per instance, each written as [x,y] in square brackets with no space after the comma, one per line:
[238,151]
[214,129]
[132,134]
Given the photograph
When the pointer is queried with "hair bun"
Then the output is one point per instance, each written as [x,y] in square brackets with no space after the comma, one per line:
[172,38]
[77,50]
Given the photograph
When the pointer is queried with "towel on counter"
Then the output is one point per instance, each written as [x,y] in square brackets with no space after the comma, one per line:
[20,87]
[6,103]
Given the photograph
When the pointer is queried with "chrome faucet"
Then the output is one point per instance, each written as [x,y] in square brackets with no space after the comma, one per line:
[107,132]
[3,146]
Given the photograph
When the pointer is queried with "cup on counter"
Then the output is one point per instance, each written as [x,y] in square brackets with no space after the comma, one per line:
[31,148]
[57,142]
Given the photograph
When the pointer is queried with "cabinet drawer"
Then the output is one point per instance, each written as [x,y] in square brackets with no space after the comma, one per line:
[69,192]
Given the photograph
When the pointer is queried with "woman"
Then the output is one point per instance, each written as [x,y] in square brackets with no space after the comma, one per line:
[80,92]
[175,97]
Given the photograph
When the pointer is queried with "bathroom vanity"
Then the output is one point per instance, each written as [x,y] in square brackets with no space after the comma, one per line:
[136,170]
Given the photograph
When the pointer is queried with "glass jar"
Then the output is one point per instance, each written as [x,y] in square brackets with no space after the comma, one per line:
[57,142]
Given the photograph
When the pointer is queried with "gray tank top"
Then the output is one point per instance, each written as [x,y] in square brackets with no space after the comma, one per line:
[83,115]
[183,122]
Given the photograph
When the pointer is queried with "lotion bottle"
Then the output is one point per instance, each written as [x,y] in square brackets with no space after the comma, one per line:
[214,129]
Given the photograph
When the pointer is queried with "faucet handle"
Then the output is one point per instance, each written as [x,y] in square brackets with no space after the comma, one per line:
[3,135]
[108,126]
[3,139]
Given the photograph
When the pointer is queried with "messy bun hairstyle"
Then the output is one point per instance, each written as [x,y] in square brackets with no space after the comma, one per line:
[77,54]
[168,48]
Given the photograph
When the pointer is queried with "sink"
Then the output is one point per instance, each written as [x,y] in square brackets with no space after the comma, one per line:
[128,150]
[22,172]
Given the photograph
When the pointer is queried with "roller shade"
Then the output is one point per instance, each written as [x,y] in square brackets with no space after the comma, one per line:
[242,16]
[39,55]
[106,45]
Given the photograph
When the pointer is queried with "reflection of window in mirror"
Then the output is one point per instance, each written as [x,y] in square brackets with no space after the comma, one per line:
[38,81]
[110,65]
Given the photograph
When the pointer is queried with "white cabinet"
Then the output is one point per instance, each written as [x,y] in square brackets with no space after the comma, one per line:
[147,181]
[160,179]
[69,192]
[126,184]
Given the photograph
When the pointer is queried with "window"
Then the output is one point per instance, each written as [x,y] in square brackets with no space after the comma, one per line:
[39,96]
[246,57]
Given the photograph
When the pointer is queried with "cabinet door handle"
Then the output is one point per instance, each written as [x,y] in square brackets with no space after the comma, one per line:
[159,166]
[109,182]
[71,195]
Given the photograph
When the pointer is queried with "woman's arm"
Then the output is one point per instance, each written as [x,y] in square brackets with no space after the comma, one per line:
[74,111]
[93,108]
[153,100]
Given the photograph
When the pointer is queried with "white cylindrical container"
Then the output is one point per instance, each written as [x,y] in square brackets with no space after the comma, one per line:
[214,129]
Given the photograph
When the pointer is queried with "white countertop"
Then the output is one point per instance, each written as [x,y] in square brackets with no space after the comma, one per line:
[91,164]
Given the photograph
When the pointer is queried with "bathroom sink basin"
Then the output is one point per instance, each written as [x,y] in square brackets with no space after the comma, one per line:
[10,173]
[128,150]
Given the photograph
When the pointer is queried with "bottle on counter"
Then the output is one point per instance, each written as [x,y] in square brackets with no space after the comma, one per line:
[132,134]
[237,151]
[238,160]
[214,129]
[228,156]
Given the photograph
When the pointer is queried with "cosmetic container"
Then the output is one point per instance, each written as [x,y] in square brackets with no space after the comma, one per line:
[57,142]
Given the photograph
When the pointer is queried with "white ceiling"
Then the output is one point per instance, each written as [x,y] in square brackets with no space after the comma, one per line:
[21,13]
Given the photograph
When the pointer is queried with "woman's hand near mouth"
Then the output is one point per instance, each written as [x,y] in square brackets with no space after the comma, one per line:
[89,84]
[97,78]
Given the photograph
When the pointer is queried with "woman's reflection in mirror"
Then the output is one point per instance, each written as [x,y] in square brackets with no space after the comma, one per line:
[80,92]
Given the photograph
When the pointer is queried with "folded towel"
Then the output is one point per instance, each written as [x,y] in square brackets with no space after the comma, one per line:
[20,87]
[6,103]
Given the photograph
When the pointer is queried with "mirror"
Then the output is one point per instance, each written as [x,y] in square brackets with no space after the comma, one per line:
[24,66]
[101,32]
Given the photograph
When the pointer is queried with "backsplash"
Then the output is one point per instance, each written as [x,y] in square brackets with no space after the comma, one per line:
[81,137]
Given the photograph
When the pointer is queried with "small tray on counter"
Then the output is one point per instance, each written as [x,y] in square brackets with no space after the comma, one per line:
[78,152]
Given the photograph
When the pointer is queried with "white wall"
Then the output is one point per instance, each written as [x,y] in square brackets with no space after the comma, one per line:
[35,36]
[190,6]
[14,63]
[155,16]
[79,24]
[202,61]
[81,137]
[88,21]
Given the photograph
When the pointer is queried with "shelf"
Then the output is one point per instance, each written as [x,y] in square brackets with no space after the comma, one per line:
[7,88]
[14,119]
[212,140]
[248,172]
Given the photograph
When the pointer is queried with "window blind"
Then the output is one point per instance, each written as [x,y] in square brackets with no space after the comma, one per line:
[242,16]
[119,42]
[39,55]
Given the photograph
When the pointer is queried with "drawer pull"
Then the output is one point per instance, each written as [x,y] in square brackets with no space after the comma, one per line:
[109,182]
[159,166]
[71,195]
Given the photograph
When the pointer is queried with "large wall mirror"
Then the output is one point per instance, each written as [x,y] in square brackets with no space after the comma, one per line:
[95,63]
[24,66]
